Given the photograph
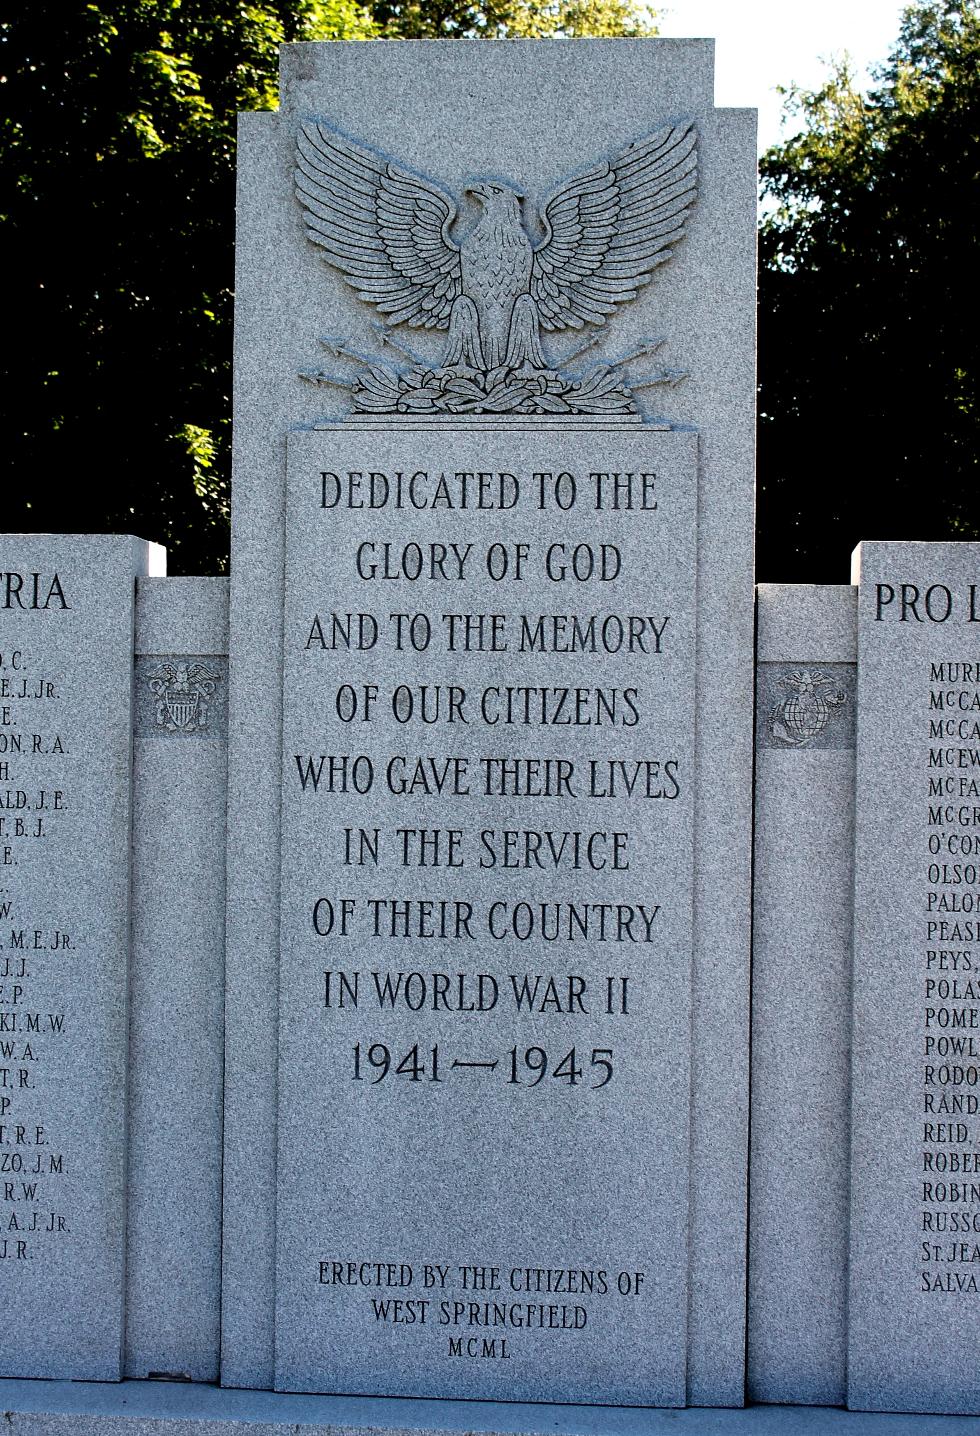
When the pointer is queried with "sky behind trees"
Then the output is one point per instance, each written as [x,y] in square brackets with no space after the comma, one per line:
[762,45]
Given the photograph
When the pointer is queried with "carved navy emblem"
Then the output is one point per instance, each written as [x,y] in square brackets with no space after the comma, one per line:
[496,284]
[183,693]
[801,716]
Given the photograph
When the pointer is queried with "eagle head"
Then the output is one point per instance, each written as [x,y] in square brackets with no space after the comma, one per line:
[497,198]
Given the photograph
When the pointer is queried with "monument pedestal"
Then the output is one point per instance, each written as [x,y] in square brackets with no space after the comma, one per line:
[159,1408]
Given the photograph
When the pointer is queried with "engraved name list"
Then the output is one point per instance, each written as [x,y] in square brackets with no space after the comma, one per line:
[66,678]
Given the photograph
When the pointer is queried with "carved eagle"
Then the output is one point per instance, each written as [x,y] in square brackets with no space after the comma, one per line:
[599,237]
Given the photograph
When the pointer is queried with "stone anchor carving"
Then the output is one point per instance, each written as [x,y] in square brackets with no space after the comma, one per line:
[493,289]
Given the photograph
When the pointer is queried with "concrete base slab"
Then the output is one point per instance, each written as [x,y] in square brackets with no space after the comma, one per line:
[161,1408]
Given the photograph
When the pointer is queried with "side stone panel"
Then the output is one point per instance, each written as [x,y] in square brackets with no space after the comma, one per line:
[173,1274]
[806,698]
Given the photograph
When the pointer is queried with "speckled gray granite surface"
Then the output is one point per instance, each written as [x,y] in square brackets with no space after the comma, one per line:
[535,112]
[914,1305]
[142,1408]
[484,1047]
[173,1271]
[66,677]
[801,976]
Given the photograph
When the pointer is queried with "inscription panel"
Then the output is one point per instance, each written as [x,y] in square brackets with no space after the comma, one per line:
[488,792]
[915,1161]
[66,666]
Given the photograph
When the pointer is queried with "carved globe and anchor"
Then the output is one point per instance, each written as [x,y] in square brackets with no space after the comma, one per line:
[799,719]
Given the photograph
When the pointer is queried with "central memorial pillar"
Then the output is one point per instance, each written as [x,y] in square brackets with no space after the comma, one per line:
[490,727]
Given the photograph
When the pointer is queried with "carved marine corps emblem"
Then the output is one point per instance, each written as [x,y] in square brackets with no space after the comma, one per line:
[496,284]
[800,717]
[183,693]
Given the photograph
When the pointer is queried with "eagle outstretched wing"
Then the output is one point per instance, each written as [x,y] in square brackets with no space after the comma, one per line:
[608,229]
[384,228]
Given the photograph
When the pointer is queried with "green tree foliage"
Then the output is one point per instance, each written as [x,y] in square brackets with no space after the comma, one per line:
[869,358]
[117,152]
[509,19]
[117,199]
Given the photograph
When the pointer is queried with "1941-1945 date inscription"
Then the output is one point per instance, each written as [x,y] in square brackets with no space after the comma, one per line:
[522,1067]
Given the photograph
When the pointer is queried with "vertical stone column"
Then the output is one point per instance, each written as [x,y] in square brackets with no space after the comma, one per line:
[806,691]
[914,1311]
[173,1275]
[66,679]
[463,111]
